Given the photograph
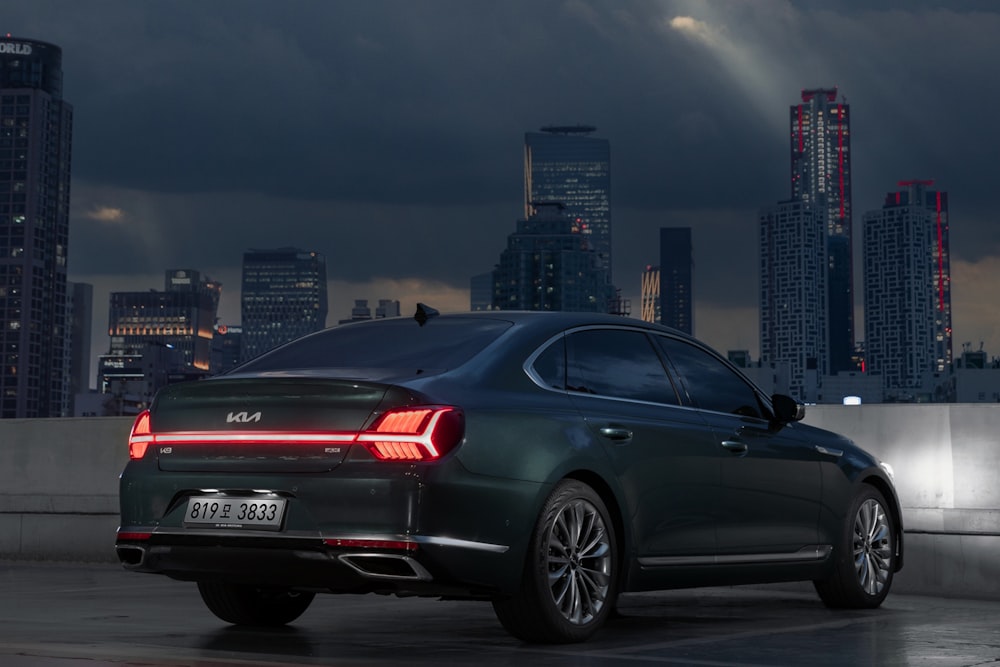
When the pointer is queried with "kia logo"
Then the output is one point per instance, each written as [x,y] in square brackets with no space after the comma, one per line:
[242,417]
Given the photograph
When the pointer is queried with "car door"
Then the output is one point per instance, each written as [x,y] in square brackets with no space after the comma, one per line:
[663,454]
[770,478]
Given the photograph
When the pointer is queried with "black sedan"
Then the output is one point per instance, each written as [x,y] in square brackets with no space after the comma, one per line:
[544,462]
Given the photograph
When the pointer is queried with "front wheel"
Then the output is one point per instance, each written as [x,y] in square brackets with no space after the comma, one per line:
[570,580]
[249,605]
[865,556]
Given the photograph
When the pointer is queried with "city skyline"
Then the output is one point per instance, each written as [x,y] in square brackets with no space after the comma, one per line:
[354,130]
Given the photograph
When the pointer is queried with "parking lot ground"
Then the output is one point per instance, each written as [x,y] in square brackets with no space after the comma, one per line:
[87,615]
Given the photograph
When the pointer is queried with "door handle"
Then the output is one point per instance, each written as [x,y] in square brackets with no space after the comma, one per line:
[735,446]
[616,434]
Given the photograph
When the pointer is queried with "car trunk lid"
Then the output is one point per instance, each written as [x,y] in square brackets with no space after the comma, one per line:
[250,425]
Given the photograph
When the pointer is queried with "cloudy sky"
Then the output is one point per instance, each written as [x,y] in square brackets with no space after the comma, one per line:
[388,134]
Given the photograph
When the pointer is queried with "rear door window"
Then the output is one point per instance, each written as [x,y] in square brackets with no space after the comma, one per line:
[617,363]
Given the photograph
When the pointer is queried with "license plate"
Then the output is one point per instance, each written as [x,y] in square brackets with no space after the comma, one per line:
[235,512]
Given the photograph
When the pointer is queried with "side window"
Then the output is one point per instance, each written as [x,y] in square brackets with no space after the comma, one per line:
[550,365]
[710,384]
[616,363]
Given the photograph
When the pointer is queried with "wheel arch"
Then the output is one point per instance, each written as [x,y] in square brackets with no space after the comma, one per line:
[607,495]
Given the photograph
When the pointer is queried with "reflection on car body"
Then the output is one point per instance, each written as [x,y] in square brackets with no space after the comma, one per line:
[545,462]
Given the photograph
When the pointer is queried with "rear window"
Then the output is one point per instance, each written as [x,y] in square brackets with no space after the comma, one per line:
[440,344]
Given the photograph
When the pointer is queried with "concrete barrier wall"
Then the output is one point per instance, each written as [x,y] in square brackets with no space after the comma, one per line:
[59,487]
[946,459]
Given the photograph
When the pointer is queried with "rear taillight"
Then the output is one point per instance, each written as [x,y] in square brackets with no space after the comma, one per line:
[140,437]
[406,434]
[415,434]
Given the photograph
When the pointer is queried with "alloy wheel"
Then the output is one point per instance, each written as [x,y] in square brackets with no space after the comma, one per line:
[872,547]
[579,561]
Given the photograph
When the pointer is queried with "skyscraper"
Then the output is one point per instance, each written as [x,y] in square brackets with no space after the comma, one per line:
[549,265]
[563,164]
[806,275]
[35,139]
[284,296]
[907,283]
[821,177]
[793,295]
[676,271]
[182,317]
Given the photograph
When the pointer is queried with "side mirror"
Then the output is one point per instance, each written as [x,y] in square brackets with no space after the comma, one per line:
[787,409]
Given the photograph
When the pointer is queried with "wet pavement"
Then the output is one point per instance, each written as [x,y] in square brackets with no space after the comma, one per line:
[85,615]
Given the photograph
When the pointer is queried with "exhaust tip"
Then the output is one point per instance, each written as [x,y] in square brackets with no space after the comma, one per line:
[386,566]
[130,554]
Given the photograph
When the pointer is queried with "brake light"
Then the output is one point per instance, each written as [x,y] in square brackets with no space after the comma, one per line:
[140,437]
[407,434]
[415,434]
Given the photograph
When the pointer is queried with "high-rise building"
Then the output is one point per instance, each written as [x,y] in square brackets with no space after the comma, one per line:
[35,150]
[820,130]
[182,318]
[284,296]
[649,292]
[227,348]
[676,271]
[549,265]
[810,333]
[565,165]
[81,309]
[793,295]
[481,292]
[907,283]
[387,308]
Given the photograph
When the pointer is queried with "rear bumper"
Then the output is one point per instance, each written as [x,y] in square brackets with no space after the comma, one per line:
[424,565]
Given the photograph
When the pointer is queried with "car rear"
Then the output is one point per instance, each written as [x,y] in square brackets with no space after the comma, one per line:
[312,478]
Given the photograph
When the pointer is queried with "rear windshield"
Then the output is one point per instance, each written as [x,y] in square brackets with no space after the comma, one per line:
[400,344]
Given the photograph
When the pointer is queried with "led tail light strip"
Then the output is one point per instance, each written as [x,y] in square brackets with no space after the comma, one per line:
[408,434]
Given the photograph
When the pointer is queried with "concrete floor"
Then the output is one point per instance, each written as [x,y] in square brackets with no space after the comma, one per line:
[76,615]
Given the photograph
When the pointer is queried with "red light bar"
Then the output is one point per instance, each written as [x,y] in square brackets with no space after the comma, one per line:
[407,434]
[414,434]
[131,537]
[398,545]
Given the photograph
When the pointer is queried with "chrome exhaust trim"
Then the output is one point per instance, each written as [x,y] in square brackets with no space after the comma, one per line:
[130,555]
[394,567]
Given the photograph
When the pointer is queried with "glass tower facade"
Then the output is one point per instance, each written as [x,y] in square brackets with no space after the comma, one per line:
[35,152]
[907,278]
[565,165]
[549,265]
[676,269]
[284,296]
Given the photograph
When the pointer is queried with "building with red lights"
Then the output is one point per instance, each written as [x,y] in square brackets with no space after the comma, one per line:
[809,324]
[907,290]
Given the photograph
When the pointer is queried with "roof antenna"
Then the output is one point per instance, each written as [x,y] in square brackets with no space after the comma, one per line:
[424,313]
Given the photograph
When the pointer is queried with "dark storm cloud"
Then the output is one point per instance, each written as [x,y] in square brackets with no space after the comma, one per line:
[388,133]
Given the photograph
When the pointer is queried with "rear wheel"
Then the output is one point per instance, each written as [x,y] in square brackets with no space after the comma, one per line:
[570,580]
[866,556]
[249,605]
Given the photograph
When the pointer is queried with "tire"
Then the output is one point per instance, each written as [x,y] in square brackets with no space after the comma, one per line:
[248,605]
[570,582]
[865,557]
